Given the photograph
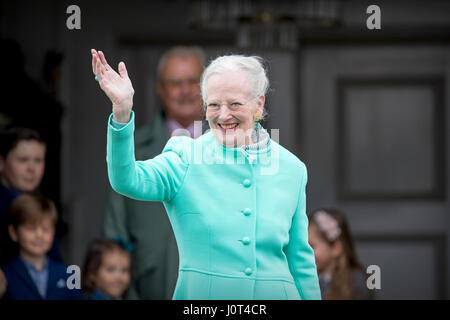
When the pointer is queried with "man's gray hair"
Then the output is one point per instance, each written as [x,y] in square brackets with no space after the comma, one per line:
[180,52]
[253,65]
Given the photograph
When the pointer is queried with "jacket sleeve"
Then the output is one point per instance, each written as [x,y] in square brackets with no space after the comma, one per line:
[299,253]
[157,179]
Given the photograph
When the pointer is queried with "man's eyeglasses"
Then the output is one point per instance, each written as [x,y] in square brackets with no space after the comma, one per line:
[176,84]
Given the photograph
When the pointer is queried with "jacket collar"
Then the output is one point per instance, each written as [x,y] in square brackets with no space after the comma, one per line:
[259,152]
[54,278]
[22,272]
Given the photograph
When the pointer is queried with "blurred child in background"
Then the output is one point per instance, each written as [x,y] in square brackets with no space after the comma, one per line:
[22,166]
[33,274]
[341,276]
[3,283]
[107,270]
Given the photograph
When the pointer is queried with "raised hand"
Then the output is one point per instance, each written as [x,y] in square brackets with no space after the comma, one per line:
[117,86]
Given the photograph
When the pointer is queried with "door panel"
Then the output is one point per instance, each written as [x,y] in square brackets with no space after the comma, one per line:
[375,123]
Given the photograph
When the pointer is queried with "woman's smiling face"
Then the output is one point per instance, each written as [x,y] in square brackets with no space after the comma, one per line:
[231,107]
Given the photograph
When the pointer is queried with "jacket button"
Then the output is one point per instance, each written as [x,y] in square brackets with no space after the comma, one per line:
[246,183]
[246,240]
[248,271]
[247,211]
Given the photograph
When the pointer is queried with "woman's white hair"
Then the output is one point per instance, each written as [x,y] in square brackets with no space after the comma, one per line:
[253,65]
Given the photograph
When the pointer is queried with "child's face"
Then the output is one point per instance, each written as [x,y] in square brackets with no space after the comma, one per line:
[113,275]
[35,239]
[323,251]
[23,167]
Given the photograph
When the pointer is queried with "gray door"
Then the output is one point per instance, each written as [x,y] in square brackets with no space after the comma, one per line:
[375,138]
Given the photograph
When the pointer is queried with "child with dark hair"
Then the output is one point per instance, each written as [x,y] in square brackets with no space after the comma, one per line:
[341,276]
[33,275]
[22,165]
[107,270]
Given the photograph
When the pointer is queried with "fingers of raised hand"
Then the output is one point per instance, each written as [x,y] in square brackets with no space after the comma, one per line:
[98,69]
[123,70]
[103,60]
[99,64]
[94,55]
[96,63]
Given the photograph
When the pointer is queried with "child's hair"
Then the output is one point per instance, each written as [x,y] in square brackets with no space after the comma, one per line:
[333,227]
[11,137]
[31,208]
[94,259]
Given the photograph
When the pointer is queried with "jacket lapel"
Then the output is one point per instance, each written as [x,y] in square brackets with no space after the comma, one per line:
[24,275]
[56,281]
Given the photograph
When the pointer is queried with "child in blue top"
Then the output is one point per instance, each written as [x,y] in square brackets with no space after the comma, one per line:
[106,270]
[22,166]
[33,275]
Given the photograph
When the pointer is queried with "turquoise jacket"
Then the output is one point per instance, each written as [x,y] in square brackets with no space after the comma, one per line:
[238,216]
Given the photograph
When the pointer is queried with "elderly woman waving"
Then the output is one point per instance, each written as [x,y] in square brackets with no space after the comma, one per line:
[235,198]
